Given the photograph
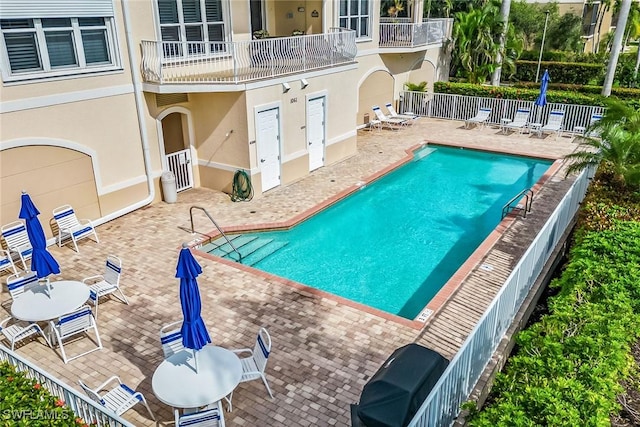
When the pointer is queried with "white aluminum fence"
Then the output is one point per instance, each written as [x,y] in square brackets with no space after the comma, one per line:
[443,403]
[408,34]
[83,407]
[241,61]
[462,107]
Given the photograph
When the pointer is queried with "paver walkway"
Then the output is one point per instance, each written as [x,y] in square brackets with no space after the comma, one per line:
[323,350]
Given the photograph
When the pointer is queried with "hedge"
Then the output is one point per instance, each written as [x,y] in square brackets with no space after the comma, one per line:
[569,366]
[619,92]
[505,92]
[26,403]
[561,56]
[560,72]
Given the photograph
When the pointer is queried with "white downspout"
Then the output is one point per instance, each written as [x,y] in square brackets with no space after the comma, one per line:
[137,92]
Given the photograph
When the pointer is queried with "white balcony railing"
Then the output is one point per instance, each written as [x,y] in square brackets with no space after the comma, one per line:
[237,62]
[398,34]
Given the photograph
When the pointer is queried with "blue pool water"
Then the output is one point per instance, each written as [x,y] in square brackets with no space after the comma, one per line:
[394,244]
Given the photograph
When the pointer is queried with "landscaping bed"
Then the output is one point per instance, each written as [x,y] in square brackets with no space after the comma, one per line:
[580,364]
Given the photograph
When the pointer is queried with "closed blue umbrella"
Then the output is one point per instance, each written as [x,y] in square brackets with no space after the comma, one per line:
[42,262]
[541,100]
[194,332]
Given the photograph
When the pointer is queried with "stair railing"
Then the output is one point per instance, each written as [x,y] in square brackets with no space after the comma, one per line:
[511,205]
[216,225]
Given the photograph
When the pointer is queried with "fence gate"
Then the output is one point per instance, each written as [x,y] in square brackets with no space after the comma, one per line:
[180,164]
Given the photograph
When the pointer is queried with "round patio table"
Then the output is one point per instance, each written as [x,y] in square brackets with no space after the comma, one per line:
[176,382]
[38,304]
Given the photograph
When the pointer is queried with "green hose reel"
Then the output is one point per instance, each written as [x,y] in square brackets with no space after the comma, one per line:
[242,189]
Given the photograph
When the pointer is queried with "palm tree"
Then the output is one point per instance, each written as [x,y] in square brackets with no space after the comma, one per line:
[504,14]
[475,45]
[618,148]
[625,7]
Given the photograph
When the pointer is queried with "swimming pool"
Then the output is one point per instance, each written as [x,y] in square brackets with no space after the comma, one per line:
[393,244]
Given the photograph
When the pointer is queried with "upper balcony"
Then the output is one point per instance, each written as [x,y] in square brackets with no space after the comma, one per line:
[401,35]
[245,61]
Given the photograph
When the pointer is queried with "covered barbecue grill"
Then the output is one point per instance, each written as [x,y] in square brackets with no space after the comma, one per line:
[395,392]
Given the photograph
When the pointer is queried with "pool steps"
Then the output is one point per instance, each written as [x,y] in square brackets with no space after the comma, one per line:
[252,248]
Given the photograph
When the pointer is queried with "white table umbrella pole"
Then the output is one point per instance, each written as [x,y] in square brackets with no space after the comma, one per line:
[195,359]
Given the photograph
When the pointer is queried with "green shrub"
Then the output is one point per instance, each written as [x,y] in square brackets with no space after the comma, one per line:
[26,403]
[561,56]
[530,94]
[560,72]
[623,93]
[568,366]
[515,93]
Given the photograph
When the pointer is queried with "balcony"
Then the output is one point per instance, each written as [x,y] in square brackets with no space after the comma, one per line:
[401,35]
[245,61]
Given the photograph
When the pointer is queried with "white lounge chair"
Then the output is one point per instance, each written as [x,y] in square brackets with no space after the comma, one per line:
[210,417]
[554,123]
[74,323]
[17,240]
[480,118]
[70,227]
[394,114]
[519,121]
[171,338]
[6,261]
[106,283]
[387,121]
[19,330]
[119,399]
[582,130]
[254,365]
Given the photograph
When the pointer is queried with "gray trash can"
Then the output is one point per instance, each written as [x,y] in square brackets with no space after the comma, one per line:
[169,192]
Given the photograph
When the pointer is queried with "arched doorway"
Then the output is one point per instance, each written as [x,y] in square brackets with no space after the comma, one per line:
[375,89]
[175,137]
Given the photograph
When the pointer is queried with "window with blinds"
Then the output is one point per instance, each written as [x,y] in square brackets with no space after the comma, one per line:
[46,47]
[355,15]
[191,27]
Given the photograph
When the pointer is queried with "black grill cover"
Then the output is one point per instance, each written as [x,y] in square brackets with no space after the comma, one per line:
[395,392]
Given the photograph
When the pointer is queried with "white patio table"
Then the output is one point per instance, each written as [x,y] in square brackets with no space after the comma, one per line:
[177,384]
[39,304]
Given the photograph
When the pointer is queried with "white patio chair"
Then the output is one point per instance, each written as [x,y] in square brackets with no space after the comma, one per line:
[395,115]
[554,123]
[20,282]
[254,365]
[387,121]
[106,283]
[70,227]
[72,324]
[171,339]
[17,240]
[211,417]
[519,121]
[118,399]
[6,261]
[18,330]
[480,118]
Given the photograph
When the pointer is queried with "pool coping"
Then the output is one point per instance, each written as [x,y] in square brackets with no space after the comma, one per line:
[437,302]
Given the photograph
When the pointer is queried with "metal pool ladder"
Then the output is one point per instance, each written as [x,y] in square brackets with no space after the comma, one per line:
[216,225]
[513,205]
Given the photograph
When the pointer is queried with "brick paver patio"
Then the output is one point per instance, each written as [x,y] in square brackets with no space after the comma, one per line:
[323,349]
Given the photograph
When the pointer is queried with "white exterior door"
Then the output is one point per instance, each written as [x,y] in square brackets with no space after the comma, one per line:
[316,132]
[180,164]
[268,147]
